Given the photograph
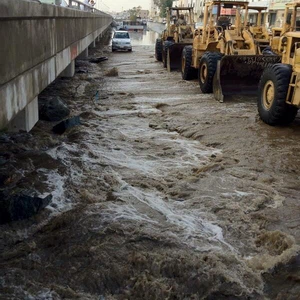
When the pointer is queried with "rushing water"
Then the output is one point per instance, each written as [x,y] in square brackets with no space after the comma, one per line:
[156,195]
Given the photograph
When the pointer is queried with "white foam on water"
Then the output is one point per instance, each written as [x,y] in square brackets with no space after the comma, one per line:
[120,112]
[237,193]
[125,212]
[187,156]
[126,149]
[128,153]
[186,153]
[185,225]
[56,185]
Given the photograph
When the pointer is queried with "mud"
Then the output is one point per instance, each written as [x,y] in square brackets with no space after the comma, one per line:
[162,193]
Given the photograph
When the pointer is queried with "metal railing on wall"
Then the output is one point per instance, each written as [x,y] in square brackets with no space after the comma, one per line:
[75,4]
[82,6]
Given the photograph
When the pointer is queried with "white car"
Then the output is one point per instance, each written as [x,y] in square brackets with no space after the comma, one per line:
[121,41]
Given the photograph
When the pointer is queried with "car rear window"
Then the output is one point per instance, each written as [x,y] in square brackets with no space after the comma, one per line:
[121,35]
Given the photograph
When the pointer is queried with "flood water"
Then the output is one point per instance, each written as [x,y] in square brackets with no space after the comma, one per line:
[161,193]
[146,37]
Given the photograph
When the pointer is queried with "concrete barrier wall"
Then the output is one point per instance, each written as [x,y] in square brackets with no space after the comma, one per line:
[38,41]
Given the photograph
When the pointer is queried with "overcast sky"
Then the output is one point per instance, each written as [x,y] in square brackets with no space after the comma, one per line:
[117,5]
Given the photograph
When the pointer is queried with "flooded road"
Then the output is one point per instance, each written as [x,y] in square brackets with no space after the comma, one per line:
[147,37]
[161,193]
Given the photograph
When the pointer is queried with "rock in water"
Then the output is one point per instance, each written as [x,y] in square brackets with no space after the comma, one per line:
[20,206]
[96,60]
[53,109]
[61,127]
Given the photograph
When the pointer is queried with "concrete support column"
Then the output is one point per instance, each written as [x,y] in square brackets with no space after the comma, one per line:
[98,39]
[26,118]
[83,54]
[69,71]
[93,44]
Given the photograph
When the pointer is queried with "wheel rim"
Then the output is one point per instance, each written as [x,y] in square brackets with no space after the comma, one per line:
[203,73]
[268,94]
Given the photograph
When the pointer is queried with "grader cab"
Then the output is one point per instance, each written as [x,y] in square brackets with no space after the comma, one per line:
[258,30]
[179,32]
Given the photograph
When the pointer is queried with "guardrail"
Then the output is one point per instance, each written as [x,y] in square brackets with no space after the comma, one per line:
[76,4]
[81,5]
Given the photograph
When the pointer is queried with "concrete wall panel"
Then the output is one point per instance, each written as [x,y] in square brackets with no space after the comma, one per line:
[15,50]
[38,42]
[43,40]
[63,58]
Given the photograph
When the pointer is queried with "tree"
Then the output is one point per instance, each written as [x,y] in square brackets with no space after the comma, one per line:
[163,4]
[134,13]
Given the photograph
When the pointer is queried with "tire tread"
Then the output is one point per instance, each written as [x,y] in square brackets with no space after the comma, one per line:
[158,49]
[211,59]
[166,45]
[280,113]
[189,72]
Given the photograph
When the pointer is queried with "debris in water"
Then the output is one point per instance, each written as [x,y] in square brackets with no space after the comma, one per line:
[82,71]
[61,127]
[52,109]
[114,72]
[98,59]
[21,206]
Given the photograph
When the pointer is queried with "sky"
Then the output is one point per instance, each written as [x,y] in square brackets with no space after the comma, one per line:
[117,5]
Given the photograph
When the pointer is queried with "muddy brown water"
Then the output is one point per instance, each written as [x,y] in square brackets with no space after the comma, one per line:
[161,193]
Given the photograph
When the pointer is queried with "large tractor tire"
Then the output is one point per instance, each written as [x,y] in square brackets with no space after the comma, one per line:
[187,71]
[166,46]
[168,61]
[207,70]
[272,92]
[158,49]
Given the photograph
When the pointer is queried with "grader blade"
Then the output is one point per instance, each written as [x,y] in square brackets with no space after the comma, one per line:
[174,56]
[240,74]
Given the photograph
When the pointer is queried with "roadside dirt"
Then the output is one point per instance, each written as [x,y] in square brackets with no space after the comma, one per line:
[161,193]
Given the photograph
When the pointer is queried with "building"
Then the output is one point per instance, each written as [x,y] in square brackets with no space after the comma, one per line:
[143,14]
[276,12]
[199,8]
[184,3]
[154,11]
[253,13]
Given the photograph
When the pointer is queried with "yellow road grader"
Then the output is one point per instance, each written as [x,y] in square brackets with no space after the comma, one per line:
[279,86]
[216,39]
[178,33]
[205,39]
[273,75]
[240,68]
[259,30]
